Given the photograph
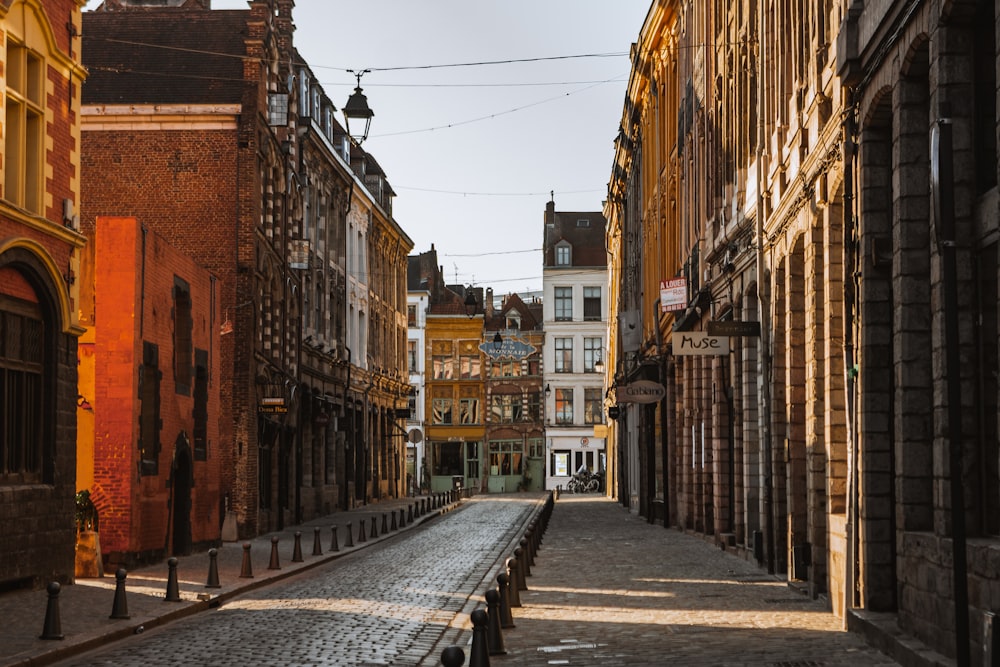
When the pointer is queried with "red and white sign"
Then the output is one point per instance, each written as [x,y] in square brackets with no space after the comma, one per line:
[673,294]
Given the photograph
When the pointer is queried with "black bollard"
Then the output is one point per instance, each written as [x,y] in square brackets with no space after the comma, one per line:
[362,532]
[53,621]
[275,563]
[453,656]
[385,523]
[525,560]
[333,539]
[392,522]
[317,547]
[519,581]
[119,607]
[246,570]
[479,654]
[515,592]
[213,570]
[529,543]
[297,548]
[402,518]
[374,532]
[503,588]
[173,589]
[350,535]
[409,519]
[494,634]
[557,493]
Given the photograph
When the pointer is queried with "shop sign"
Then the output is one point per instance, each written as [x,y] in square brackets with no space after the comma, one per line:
[691,343]
[733,328]
[673,294]
[641,391]
[272,406]
[511,348]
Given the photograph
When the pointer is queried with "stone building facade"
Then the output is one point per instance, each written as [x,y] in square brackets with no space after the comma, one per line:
[39,295]
[786,181]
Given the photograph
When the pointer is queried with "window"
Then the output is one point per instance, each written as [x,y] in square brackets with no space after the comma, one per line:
[468,410]
[411,356]
[199,430]
[591,353]
[505,369]
[21,397]
[441,411]
[564,406]
[583,222]
[470,368]
[505,457]
[559,464]
[149,409]
[505,408]
[411,405]
[564,355]
[592,406]
[444,367]
[534,412]
[564,255]
[533,367]
[24,131]
[564,303]
[183,325]
[536,448]
[411,315]
[592,304]
[446,458]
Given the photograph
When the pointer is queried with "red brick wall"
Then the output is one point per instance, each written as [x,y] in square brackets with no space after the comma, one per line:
[134,282]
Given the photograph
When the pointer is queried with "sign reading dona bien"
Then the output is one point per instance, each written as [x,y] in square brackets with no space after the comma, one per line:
[695,342]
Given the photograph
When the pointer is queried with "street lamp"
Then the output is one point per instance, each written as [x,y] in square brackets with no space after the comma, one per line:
[357,108]
[471,305]
[599,366]
[497,341]
[548,390]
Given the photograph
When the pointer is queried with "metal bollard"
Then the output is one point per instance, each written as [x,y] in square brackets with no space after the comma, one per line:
[53,621]
[385,523]
[479,654]
[362,532]
[557,492]
[515,592]
[350,535]
[374,531]
[275,563]
[173,589]
[333,539]
[402,518]
[503,588]
[525,560]
[453,656]
[246,569]
[297,549]
[519,582]
[409,519]
[213,570]
[119,607]
[317,547]
[392,522]
[494,634]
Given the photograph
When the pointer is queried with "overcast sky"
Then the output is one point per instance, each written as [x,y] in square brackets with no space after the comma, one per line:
[473,150]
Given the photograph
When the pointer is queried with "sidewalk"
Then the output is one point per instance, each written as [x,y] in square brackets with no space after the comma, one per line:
[608,588]
[86,606]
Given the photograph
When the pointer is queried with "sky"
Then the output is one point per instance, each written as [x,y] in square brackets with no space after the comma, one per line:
[473,150]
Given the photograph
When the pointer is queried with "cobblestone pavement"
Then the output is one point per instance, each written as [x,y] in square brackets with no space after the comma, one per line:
[607,588]
[386,605]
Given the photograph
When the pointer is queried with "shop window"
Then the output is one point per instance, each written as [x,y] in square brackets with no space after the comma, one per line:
[505,457]
[471,460]
[559,463]
[447,459]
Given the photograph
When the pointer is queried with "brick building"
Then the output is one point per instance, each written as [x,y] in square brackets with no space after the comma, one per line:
[39,299]
[153,364]
[811,191]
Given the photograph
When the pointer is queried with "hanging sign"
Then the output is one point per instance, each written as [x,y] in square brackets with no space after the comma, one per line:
[641,391]
[673,294]
[691,343]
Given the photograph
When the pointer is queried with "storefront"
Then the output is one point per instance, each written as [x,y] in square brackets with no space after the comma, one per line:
[454,463]
[567,454]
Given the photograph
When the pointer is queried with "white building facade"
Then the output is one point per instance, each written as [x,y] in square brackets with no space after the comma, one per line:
[575,280]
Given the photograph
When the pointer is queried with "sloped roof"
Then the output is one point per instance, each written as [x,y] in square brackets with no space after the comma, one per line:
[164,56]
[588,240]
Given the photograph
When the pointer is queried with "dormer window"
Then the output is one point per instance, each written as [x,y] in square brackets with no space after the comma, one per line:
[564,254]
[583,222]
